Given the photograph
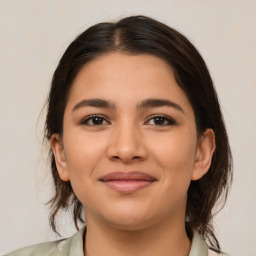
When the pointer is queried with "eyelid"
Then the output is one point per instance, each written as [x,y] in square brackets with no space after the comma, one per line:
[84,120]
[171,120]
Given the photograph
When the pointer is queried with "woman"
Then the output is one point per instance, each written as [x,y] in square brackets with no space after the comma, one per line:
[138,144]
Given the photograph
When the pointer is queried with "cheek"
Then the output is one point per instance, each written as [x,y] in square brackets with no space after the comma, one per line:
[83,153]
[82,157]
[175,154]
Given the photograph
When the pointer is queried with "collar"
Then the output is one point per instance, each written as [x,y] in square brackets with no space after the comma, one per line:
[199,246]
[74,245]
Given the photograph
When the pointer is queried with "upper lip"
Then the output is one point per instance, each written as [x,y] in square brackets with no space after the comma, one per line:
[127,176]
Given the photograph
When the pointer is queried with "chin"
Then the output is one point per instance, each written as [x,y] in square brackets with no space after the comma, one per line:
[130,220]
[131,225]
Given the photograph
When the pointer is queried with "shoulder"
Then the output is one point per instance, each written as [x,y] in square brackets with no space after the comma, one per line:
[47,249]
[212,253]
[200,248]
[55,248]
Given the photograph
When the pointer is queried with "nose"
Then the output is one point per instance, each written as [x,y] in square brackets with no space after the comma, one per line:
[126,144]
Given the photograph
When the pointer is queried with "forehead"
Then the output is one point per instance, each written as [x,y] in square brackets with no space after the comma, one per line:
[127,78]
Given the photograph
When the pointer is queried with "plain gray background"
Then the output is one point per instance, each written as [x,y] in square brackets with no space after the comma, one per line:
[33,36]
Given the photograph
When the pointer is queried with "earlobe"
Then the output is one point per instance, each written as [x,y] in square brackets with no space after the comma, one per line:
[203,158]
[60,158]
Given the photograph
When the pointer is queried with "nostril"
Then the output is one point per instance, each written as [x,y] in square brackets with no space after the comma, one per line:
[126,159]
[122,150]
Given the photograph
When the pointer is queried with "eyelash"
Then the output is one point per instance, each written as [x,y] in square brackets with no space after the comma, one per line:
[91,117]
[170,121]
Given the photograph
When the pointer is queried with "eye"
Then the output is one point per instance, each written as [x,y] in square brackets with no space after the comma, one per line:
[161,120]
[95,120]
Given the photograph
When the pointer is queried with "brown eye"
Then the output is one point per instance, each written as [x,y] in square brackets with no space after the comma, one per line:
[161,120]
[95,120]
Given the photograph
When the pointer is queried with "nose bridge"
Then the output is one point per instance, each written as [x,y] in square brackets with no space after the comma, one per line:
[126,141]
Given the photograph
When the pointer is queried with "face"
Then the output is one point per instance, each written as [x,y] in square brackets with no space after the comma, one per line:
[129,144]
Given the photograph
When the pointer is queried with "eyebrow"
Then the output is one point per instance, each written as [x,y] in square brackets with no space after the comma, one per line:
[147,103]
[153,103]
[97,103]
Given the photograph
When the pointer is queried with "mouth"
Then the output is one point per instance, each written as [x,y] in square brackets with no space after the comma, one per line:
[127,182]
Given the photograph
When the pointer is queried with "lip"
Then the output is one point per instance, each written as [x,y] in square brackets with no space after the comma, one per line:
[127,182]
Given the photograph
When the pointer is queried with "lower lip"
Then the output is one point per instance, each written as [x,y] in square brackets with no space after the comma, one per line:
[130,186]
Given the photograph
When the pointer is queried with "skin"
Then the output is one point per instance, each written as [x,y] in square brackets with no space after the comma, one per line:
[149,221]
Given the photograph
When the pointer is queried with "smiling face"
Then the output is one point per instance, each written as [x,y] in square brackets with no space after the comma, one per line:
[129,144]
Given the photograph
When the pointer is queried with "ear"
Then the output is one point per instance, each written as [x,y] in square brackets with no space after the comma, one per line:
[203,158]
[60,158]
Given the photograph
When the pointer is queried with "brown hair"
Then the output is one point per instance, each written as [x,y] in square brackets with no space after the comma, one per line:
[138,35]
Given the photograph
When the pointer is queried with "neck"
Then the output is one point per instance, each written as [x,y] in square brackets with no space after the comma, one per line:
[163,239]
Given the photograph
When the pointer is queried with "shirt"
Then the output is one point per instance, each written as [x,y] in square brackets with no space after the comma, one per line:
[74,246]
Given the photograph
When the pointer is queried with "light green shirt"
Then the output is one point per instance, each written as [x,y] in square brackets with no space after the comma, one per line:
[73,246]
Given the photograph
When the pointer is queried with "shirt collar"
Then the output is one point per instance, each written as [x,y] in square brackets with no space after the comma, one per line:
[74,245]
[199,246]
